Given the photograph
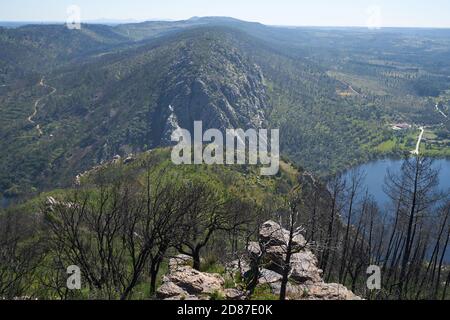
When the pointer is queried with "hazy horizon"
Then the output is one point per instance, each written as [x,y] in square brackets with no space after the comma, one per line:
[106,21]
[321,13]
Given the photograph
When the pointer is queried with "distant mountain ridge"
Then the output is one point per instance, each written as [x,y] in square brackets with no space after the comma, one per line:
[118,88]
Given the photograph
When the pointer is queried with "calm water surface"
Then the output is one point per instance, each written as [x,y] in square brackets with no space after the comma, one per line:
[376,173]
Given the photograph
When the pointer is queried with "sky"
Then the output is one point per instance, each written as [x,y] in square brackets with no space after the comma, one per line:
[378,13]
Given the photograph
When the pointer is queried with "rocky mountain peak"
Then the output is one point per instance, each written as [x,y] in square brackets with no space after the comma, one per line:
[213,83]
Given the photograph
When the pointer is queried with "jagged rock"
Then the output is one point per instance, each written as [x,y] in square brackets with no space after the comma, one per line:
[292,291]
[234,294]
[268,276]
[306,283]
[254,250]
[315,291]
[304,267]
[195,282]
[185,283]
[116,159]
[303,264]
[330,291]
[305,276]
[128,160]
[274,258]
[51,201]
[170,290]
[237,266]
[226,93]
[272,234]
[179,261]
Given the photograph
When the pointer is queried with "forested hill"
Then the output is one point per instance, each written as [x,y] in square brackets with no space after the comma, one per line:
[70,99]
[127,220]
[85,121]
[211,199]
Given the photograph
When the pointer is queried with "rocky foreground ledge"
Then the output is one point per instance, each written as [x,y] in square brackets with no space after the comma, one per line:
[305,279]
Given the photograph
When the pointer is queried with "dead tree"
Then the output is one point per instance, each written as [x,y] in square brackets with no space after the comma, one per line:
[291,244]
[446,239]
[19,256]
[337,187]
[202,219]
[417,181]
[112,230]
[356,179]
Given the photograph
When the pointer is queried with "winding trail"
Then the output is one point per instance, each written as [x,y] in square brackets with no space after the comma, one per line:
[350,88]
[36,104]
[417,151]
[440,111]
[353,90]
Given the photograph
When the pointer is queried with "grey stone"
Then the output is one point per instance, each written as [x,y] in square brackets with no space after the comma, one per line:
[268,276]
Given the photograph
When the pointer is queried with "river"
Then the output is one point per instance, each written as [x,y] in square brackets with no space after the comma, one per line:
[375,174]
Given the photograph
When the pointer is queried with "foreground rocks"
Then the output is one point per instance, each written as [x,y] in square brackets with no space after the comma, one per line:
[185,283]
[272,235]
[305,277]
[315,291]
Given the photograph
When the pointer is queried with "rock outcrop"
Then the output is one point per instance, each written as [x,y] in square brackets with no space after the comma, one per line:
[223,90]
[185,283]
[305,278]
[272,235]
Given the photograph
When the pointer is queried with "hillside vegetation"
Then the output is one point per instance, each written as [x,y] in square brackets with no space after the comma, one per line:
[333,93]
